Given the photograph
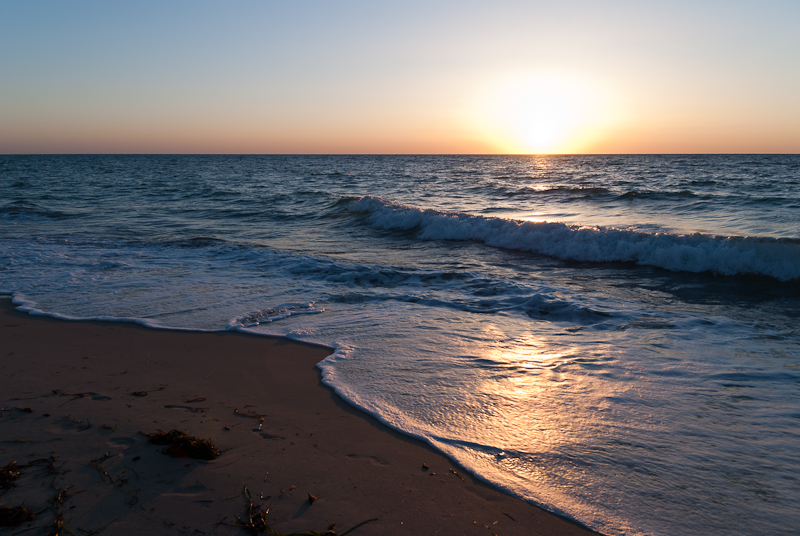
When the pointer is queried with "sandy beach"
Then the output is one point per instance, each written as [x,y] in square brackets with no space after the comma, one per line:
[79,397]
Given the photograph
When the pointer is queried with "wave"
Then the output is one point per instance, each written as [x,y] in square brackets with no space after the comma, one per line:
[586,191]
[274,314]
[568,192]
[536,306]
[777,258]
[21,210]
[634,194]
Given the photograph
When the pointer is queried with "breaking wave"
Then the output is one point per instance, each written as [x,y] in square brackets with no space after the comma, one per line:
[777,258]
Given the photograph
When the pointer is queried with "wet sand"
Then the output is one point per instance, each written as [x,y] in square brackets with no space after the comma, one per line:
[78,397]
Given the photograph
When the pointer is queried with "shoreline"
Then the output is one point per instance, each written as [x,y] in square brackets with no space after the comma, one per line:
[93,386]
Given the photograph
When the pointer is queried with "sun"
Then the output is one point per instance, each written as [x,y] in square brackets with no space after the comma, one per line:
[537,114]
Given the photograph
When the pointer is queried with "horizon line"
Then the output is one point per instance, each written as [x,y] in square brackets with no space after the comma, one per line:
[406,154]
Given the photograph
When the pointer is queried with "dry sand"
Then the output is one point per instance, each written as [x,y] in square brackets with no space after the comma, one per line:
[76,396]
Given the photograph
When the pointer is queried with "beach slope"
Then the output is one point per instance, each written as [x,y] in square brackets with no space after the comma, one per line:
[77,399]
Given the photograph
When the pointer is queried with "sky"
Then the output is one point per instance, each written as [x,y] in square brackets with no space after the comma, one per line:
[390,77]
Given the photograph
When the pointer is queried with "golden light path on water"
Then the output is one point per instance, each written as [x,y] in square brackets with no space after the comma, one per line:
[538,409]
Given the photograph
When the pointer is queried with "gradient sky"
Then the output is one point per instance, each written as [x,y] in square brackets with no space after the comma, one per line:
[342,76]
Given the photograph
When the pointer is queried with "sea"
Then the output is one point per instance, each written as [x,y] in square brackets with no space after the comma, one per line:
[615,339]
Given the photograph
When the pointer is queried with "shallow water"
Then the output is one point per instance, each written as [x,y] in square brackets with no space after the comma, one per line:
[611,337]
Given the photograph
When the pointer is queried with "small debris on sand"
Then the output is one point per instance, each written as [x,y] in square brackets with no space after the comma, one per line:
[182,445]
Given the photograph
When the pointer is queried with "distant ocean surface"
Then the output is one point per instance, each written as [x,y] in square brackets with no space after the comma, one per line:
[613,338]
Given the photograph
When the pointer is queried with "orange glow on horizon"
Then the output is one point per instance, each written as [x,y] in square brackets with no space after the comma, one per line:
[541,114]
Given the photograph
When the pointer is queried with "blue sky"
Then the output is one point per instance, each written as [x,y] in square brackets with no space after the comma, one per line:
[398,77]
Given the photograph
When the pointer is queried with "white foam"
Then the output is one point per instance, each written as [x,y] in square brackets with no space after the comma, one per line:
[25,305]
[778,258]
[274,314]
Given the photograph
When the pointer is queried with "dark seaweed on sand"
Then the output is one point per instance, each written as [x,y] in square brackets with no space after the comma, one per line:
[256,522]
[182,445]
[8,475]
[16,515]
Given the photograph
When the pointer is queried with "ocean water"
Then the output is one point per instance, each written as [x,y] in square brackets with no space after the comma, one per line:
[613,338]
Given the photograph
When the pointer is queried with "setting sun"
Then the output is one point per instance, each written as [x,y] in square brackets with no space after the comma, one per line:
[538,114]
